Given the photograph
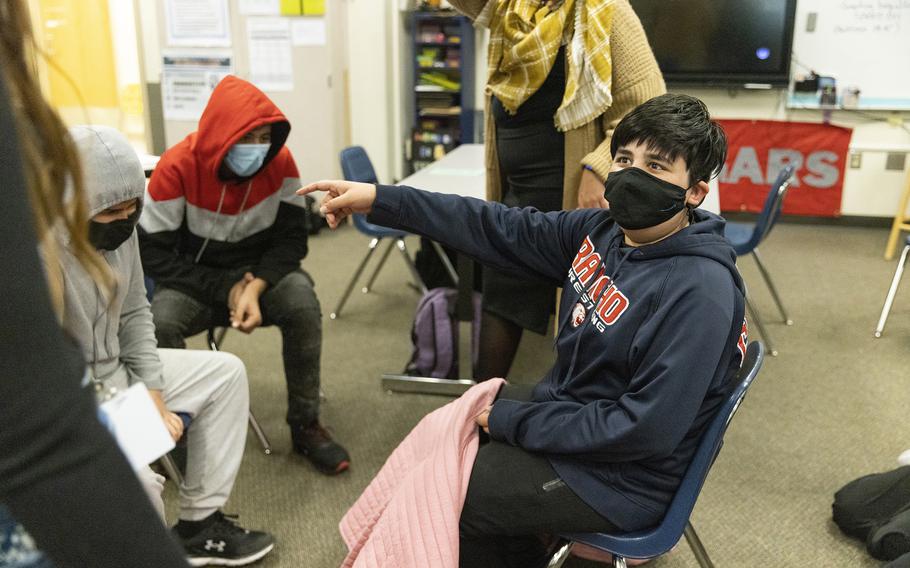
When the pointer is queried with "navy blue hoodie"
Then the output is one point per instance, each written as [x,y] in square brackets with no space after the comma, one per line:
[649,339]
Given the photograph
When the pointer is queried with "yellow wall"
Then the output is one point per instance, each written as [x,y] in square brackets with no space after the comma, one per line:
[76,36]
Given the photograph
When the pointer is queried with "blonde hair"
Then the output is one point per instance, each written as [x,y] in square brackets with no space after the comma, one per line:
[50,159]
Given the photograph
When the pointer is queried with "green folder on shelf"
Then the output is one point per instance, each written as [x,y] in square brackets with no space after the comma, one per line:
[440,80]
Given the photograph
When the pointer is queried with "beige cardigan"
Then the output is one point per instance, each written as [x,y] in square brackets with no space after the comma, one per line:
[636,78]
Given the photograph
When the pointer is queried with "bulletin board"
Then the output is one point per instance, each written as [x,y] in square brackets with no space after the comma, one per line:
[862,43]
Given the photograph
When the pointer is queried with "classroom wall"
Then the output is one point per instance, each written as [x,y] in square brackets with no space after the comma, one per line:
[315,107]
[375,59]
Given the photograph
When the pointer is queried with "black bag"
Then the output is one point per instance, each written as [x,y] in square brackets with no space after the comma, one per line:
[892,539]
[876,508]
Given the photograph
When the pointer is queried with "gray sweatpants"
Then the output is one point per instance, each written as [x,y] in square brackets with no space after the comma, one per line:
[212,388]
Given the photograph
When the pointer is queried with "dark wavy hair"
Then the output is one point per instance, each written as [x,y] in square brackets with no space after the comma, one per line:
[678,126]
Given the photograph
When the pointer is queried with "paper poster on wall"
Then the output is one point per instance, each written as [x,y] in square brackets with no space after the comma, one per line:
[313,7]
[269,47]
[203,23]
[259,7]
[291,8]
[308,31]
[187,82]
[759,149]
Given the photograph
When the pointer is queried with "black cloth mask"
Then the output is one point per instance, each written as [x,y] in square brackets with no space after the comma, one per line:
[639,200]
[109,236]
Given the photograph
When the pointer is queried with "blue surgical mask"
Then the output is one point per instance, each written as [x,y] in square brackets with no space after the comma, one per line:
[245,159]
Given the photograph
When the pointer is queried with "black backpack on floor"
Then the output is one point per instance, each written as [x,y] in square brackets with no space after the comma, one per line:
[876,509]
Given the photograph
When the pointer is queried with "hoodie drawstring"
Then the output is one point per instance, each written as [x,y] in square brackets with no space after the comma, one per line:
[205,243]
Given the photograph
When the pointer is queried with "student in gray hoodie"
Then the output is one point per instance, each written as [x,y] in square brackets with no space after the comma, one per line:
[117,337]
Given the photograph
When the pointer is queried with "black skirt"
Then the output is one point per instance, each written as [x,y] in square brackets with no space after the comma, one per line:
[531,162]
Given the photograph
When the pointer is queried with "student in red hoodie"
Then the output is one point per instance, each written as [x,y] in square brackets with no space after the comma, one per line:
[223,235]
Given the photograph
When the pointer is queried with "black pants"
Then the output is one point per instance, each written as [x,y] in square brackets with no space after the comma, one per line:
[515,501]
[290,304]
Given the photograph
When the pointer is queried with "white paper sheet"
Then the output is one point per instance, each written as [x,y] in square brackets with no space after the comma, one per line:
[187,82]
[308,31]
[270,53]
[259,7]
[204,23]
[137,426]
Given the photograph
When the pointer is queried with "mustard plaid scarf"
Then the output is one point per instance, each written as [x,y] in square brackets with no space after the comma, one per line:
[525,36]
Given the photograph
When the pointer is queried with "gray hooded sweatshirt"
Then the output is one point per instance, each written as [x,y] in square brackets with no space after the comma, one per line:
[117,336]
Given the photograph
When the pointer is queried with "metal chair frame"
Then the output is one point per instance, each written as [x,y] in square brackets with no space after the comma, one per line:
[396,241]
[356,166]
[766,221]
[214,338]
[653,542]
[892,291]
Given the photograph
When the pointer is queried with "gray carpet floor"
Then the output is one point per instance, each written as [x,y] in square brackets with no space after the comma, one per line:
[831,407]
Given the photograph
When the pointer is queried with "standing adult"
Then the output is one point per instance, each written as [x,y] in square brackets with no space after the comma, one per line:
[561,75]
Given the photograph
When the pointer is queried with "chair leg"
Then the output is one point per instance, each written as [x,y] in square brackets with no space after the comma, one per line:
[619,561]
[444,258]
[171,468]
[892,292]
[215,337]
[698,549]
[561,555]
[403,249]
[347,292]
[761,328]
[382,259]
[260,433]
[767,277]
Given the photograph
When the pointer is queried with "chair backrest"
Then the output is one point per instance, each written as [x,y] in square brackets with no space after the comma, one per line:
[652,542]
[356,165]
[774,202]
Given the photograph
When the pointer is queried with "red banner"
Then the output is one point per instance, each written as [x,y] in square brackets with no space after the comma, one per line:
[759,149]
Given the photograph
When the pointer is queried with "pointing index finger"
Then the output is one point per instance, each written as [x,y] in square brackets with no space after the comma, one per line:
[315,186]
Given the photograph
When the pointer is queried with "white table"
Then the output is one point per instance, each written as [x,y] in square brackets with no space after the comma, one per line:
[460,172]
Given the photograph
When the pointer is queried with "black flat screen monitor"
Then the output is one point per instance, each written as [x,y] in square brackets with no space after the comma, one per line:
[720,42]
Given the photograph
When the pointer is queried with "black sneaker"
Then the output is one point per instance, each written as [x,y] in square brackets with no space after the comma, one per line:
[225,543]
[315,442]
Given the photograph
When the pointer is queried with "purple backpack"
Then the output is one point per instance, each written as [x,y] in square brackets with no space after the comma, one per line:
[435,335]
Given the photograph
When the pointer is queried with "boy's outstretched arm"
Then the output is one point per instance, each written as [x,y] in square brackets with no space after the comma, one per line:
[522,241]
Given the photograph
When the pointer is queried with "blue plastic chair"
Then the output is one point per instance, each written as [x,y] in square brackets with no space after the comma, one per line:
[660,539]
[356,166]
[745,238]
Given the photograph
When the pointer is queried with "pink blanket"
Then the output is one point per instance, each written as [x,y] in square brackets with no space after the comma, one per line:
[408,516]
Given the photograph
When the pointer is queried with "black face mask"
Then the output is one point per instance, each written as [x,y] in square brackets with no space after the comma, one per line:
[109,236]
[639,200]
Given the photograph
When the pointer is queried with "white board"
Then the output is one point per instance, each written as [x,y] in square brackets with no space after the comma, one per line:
[861,43]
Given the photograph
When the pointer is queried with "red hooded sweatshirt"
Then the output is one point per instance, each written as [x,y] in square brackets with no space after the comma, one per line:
[202,226]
